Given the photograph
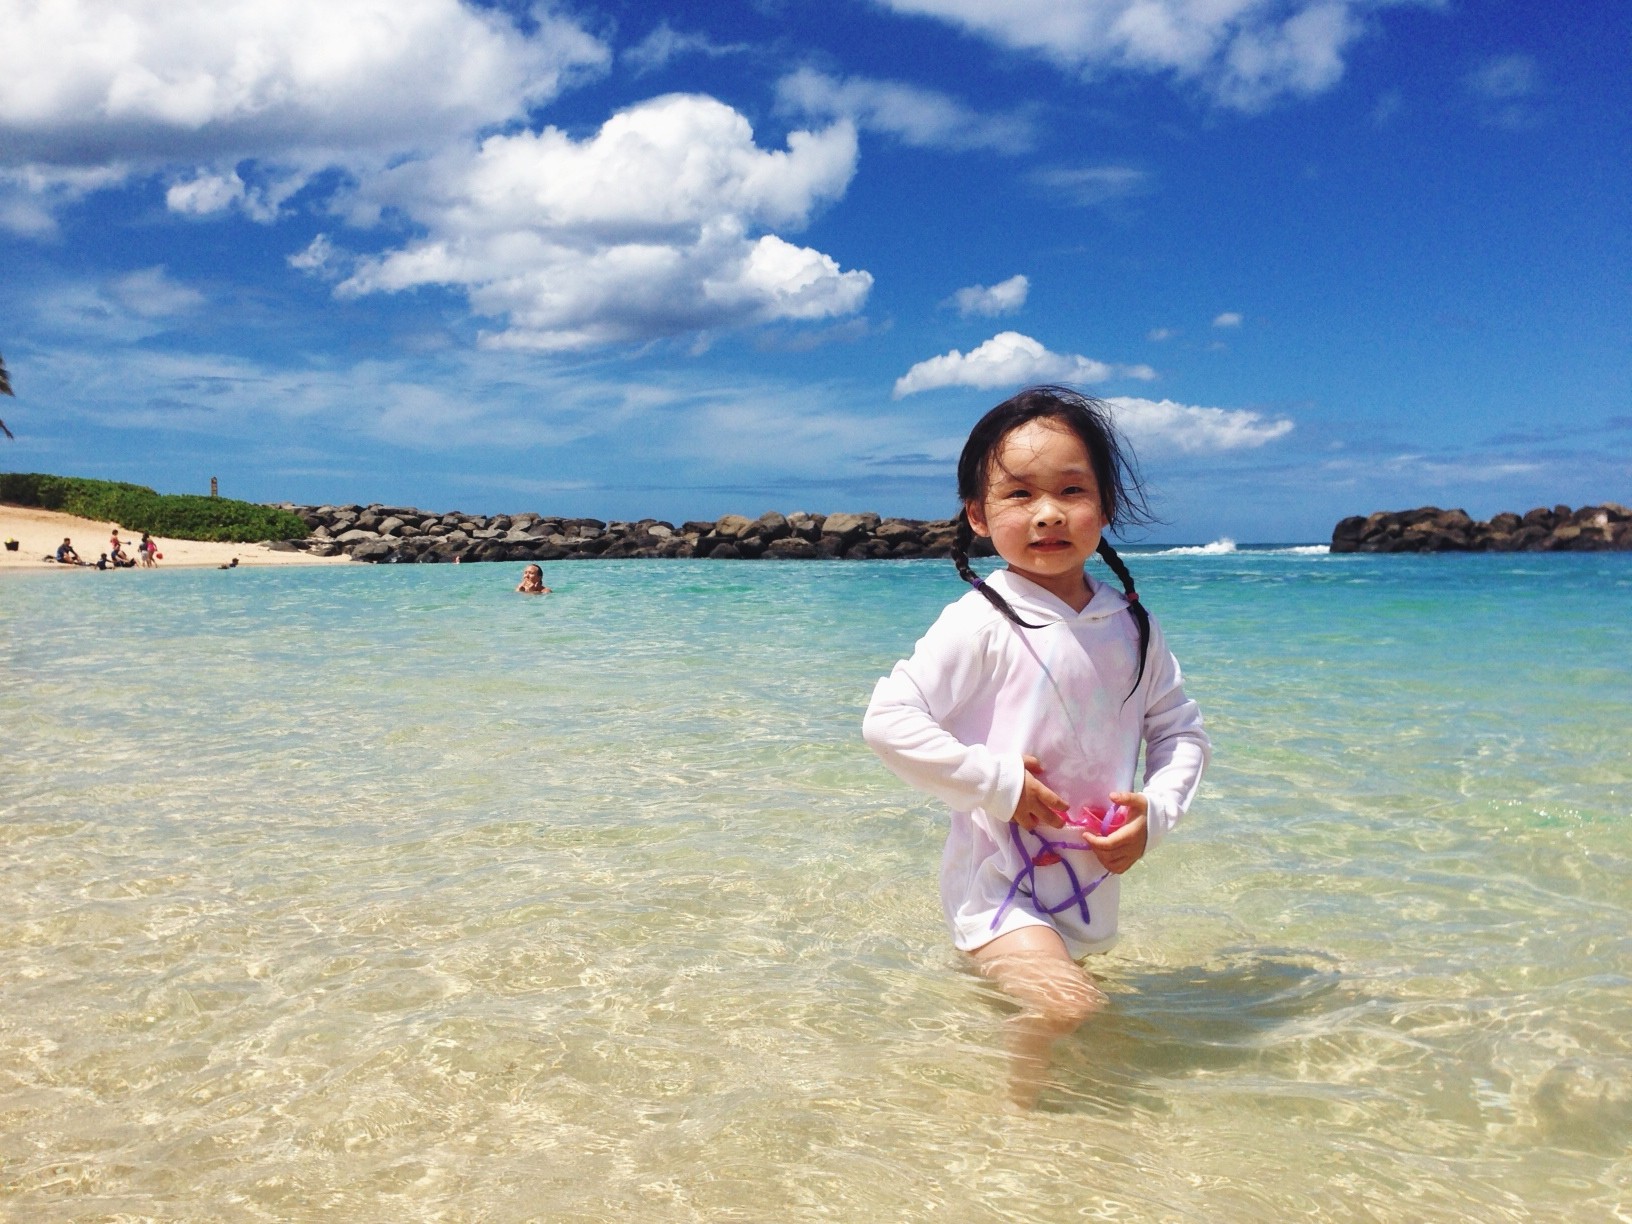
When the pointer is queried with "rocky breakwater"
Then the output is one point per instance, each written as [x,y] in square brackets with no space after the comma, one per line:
[1429,529]
[402,534]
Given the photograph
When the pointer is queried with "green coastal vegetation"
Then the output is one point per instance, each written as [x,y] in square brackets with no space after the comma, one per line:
[179,516]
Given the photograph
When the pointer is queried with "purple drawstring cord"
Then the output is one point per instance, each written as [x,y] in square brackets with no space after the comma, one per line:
[1079,892]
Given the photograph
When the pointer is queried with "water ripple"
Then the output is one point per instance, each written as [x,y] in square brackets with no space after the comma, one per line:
[382,894]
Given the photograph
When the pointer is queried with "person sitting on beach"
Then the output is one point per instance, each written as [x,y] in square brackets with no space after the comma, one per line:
[102,562]
[66,554]
[532,581]
[233,564]
[1025,707]
[118,556]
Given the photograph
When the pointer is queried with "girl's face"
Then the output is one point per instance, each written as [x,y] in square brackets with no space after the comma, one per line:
[533,576]
[1042,509]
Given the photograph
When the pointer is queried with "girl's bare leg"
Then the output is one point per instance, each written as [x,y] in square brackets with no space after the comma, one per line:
[1032,967]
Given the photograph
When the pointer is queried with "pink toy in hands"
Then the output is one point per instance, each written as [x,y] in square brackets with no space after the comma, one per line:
[1097,819]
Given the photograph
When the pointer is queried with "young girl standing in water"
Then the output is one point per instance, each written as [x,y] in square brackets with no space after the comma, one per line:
[1024,708]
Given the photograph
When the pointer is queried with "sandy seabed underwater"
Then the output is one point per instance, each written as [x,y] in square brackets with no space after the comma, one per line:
[388,894]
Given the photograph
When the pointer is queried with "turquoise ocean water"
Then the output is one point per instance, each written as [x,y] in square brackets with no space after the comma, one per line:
[387,894]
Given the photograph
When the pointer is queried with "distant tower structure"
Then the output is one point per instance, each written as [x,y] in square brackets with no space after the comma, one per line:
[215,487]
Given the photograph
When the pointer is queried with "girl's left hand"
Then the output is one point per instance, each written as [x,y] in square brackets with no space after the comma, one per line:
[1122,849]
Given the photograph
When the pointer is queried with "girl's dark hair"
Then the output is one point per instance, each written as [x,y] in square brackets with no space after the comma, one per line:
[1122,500]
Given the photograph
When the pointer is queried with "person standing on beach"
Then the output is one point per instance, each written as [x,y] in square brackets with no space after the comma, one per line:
[1024,709]
[147,552]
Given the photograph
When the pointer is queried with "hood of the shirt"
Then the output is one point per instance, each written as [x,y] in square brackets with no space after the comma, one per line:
[1035,604]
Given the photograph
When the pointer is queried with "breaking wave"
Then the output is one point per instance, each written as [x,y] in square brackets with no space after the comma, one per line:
[1224,547]
[1217,548]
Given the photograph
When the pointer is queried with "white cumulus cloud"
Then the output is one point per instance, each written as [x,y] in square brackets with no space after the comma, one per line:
[1005,297]
[1247,53]
[668,220]
[1009,359]
[1229,318]
[920,117]
[138,85]
[205,193]
[1164,424]
[320,258]
[569,244]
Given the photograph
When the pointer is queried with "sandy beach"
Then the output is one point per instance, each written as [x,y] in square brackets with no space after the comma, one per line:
[38,532]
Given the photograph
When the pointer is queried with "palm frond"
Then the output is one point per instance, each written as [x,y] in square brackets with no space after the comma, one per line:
[5,386]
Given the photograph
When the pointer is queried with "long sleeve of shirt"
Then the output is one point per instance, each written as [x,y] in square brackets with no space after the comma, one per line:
[907,719]
[1176,747]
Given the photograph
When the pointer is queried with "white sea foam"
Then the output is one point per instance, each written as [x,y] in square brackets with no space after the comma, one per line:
[1218,548]
[1225,547]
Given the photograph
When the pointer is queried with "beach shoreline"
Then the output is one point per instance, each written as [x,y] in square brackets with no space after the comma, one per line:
[39,532]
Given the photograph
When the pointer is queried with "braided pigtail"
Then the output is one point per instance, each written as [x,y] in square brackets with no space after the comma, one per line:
[1135,608]
[964,537]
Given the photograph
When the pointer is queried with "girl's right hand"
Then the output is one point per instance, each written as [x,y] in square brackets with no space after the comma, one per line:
[1038,805]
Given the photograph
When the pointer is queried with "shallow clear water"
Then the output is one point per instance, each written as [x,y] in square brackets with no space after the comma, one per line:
[388,894]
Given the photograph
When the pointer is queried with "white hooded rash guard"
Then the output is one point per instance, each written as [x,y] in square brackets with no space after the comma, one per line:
[980,693]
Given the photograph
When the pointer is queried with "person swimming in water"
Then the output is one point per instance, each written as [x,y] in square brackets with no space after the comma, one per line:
[532,581]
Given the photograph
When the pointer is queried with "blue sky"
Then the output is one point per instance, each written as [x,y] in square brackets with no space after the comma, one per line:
[1321,256]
